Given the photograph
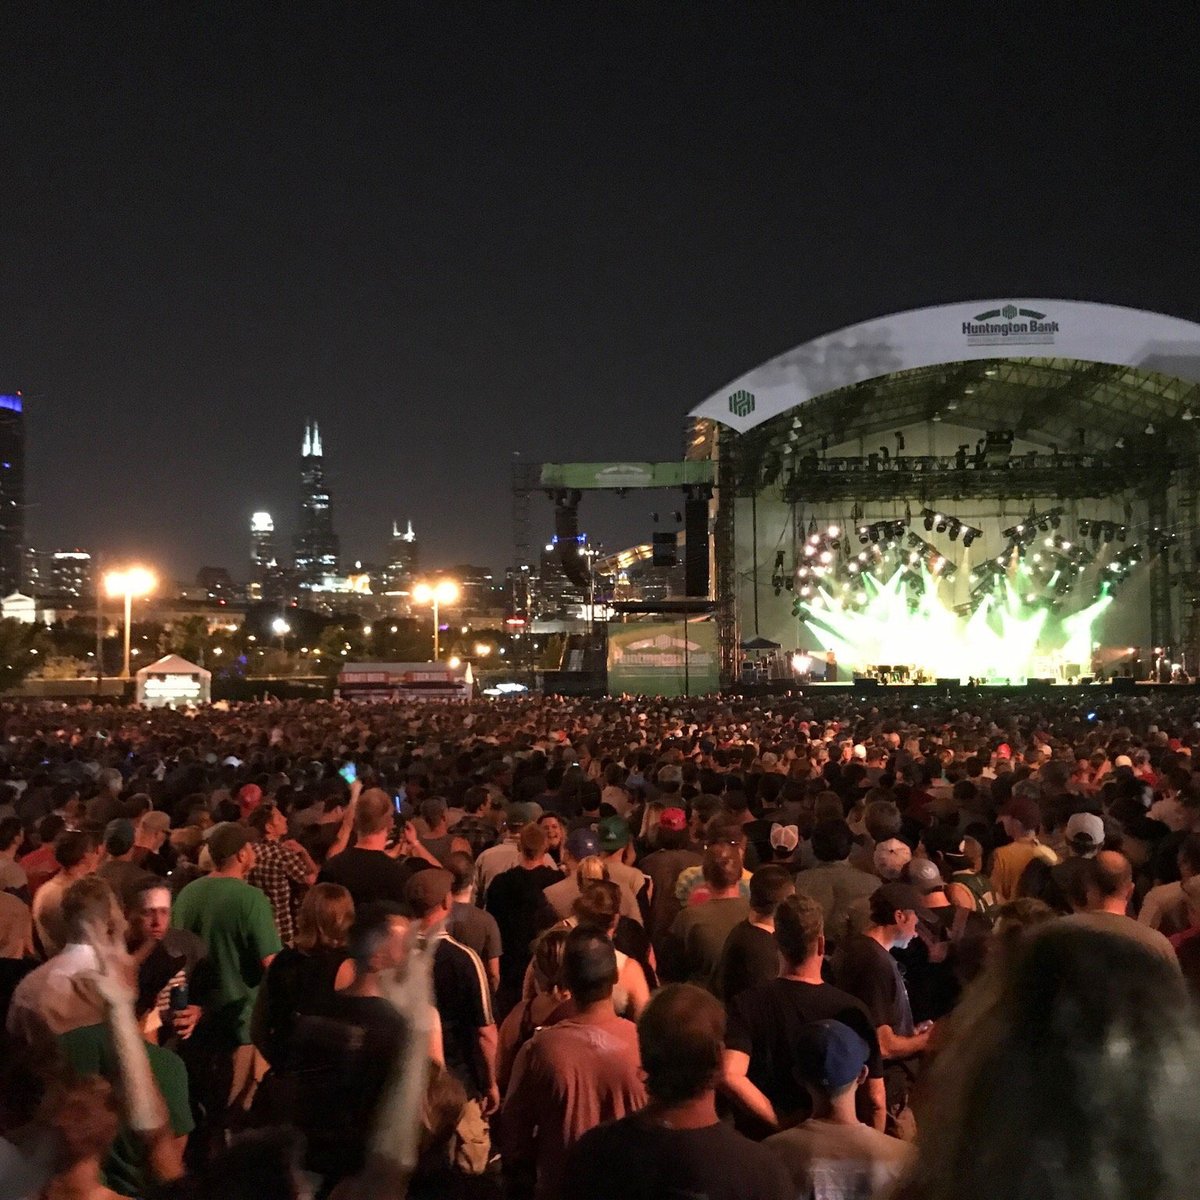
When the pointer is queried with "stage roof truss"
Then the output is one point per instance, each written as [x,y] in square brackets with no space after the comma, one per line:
[1044,401]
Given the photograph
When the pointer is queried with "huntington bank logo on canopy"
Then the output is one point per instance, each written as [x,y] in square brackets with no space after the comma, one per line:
[741,404]
[1010,325]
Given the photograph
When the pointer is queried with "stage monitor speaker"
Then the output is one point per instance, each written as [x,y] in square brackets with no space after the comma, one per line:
[695,548]
[867,685]
[1040,683]
[566,533]
[950,683]
[1124,683]
[665,549]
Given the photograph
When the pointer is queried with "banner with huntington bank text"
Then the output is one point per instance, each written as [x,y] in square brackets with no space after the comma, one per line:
[663,658]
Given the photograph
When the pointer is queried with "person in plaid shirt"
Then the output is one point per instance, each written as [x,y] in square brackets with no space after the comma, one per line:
[281,867]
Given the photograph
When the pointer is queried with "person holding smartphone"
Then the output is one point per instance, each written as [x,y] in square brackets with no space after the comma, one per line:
[368,870]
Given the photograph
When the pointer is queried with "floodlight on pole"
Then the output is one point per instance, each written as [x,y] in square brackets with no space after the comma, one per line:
[280,628]
[444,591]
[132,581]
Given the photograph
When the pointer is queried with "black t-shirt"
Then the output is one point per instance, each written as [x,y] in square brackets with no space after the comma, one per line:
[865,969]
[750,957]
[931,976]
[765,1022]
[513,898]
[340,1060]
[371,875]
[464,1003]
[297,982]
[637,1158]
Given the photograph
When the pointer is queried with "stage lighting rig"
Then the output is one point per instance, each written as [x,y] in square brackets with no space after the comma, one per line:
[1027,530]
[1159,540]
[920,551]
[1090,527]
[882,531]
[969,532]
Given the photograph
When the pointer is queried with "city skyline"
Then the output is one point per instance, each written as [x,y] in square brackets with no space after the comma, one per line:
[453,233]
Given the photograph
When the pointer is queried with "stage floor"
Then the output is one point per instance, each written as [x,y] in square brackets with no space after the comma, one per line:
[1111,687]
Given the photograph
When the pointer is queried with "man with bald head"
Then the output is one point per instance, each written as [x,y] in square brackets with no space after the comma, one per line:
[367,870]
[1101,903]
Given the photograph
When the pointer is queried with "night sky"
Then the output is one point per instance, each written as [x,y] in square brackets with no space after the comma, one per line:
[463,231]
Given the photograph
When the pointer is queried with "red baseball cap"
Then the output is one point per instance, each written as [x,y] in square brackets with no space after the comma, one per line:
[249,798]
[673,820]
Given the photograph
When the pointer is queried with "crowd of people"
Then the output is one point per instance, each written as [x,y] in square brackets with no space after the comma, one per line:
[796,949]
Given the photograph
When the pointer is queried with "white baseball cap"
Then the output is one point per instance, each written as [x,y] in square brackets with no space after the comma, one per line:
[891,857]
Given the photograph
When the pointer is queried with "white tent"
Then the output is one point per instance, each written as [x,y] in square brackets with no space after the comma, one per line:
[173,682]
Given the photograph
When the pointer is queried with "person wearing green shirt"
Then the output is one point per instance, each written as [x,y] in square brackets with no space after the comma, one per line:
[131,1168]
[236,924]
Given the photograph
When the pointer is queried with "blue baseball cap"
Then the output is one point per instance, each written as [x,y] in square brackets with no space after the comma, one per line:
[582,843]
[829,1055]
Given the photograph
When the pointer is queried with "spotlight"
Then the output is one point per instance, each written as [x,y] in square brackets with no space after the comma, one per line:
[779,560]
[928,520]
[1084,526]
[969,536]
[1110,531]
[955,530]
[833,531]
[941,523]
[863,533]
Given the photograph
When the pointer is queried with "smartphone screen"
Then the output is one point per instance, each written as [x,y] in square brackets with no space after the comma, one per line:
[349,772]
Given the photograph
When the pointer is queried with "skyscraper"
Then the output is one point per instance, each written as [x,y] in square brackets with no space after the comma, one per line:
[12,492]
[402,559]
[316,543]
[263,561]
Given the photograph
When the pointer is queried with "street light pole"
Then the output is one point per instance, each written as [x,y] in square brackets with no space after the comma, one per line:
[128,626]
[134,581]
[445,591]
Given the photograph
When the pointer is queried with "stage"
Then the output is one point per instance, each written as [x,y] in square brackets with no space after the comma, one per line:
[927,691]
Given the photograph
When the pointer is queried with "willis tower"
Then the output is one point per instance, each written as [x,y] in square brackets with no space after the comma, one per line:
[316,543]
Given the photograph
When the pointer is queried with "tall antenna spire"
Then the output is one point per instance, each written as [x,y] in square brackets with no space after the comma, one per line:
[409,536]
[306,449]
[316,441]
